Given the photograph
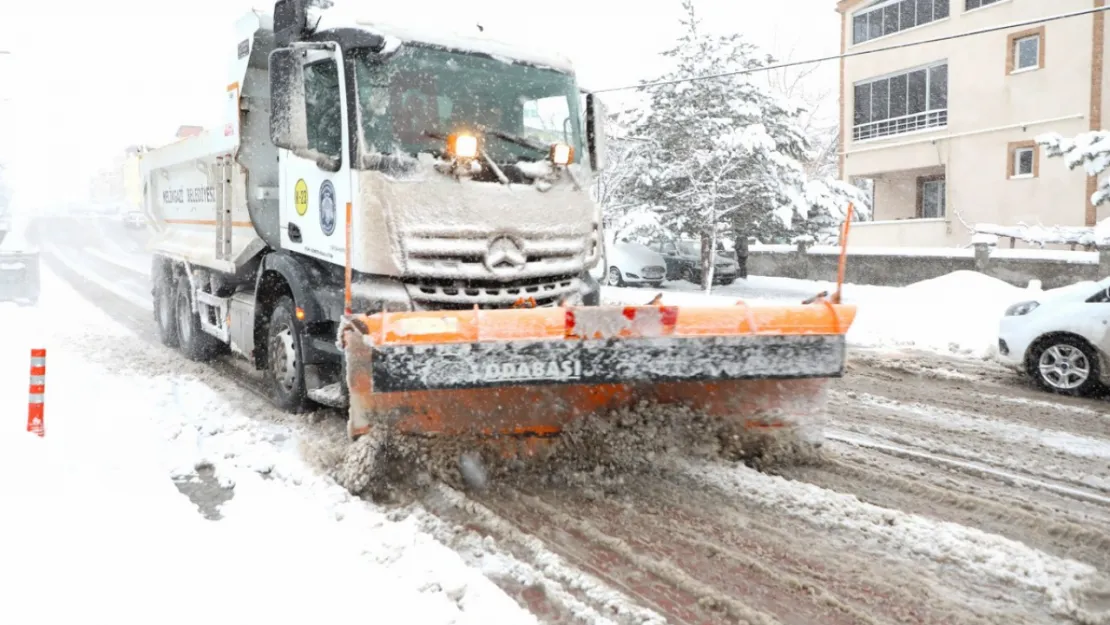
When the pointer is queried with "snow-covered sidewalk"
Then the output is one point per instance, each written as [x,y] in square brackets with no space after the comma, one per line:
[96,530]
[956,314]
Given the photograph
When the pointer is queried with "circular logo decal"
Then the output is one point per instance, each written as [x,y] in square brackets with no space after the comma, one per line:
[327,208]
[300,197]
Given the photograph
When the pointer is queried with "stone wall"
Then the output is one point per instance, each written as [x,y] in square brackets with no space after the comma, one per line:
[902,266]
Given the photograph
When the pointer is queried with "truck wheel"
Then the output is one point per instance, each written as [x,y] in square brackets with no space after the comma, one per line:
[194,342]
[164,314]
[284,356]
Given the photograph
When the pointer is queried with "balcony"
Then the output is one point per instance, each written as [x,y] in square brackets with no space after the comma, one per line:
[901,125]
[900,233]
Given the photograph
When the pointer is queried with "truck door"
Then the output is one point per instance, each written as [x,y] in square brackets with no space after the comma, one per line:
[316,183]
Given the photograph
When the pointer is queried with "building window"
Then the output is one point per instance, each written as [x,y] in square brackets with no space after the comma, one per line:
[1024,160]
[1025,50]
[886,17]
[894,105]
[975,4]
[931,192]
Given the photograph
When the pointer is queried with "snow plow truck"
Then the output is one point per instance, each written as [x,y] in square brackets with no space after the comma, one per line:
[399,223]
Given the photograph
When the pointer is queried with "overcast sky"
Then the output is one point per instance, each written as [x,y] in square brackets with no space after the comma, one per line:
[87,78]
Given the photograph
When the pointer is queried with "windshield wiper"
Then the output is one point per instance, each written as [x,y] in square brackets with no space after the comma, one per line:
[517,139]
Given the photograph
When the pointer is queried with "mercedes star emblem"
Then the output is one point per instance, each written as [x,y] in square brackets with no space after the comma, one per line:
[505,256]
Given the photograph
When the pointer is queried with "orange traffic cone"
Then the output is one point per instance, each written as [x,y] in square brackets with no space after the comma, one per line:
[35,403]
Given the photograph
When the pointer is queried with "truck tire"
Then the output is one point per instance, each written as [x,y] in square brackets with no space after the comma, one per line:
[284,356]
[194,342]
[164,317]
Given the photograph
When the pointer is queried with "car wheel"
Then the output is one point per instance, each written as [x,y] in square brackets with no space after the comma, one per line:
[1067,365]
[688,275]
[614,277]
[728,282]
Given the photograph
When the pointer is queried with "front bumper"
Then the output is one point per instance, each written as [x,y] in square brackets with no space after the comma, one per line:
[722,276]
[644,276]
[1014,339]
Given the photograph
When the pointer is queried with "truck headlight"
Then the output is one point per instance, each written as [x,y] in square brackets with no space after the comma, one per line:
[1021,308]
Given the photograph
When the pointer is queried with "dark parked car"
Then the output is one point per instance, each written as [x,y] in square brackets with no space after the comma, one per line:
[683,258]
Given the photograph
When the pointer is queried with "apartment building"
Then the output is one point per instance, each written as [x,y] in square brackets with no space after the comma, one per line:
[945,130]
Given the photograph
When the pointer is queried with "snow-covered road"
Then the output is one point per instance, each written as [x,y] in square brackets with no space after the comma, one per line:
[952,492]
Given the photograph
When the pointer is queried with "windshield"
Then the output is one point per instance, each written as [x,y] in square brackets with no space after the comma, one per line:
[692,248]
[423,91]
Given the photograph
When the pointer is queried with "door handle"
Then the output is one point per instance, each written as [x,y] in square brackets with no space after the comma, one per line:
[294,233]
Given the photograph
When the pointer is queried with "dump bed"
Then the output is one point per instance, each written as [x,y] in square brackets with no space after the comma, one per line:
[184,184]
[196,190]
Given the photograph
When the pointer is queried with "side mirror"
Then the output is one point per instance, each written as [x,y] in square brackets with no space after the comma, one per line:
[288,128]
[595,132]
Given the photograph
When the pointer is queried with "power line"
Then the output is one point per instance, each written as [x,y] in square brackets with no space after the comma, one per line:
[846,55]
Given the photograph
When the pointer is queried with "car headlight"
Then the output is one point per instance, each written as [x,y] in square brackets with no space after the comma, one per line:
[1021,308]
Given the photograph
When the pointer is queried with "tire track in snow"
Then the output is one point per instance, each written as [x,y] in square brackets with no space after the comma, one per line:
[984,387]
[941,436]
[888,483]
[997,567]
[778,580]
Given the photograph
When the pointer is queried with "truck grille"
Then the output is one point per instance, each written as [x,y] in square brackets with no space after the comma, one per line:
[489,294]
[494,269]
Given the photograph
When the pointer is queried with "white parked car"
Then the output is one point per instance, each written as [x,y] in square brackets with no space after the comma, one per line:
[634,264]
[1062,340]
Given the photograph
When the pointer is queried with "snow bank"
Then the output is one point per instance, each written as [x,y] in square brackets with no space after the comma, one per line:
[100,524]
[957,313]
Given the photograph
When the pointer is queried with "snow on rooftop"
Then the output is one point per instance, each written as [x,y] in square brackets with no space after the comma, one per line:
[1051,235]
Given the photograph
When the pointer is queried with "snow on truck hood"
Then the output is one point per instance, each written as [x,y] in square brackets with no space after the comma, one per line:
[435,203]
[444,31]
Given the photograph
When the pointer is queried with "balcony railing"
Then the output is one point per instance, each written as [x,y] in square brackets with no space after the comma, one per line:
[901,125]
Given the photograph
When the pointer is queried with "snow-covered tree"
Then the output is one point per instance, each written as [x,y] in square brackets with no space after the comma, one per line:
[722,156]
[1091,150]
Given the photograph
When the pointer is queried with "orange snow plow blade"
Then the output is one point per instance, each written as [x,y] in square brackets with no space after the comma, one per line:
[533,371]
